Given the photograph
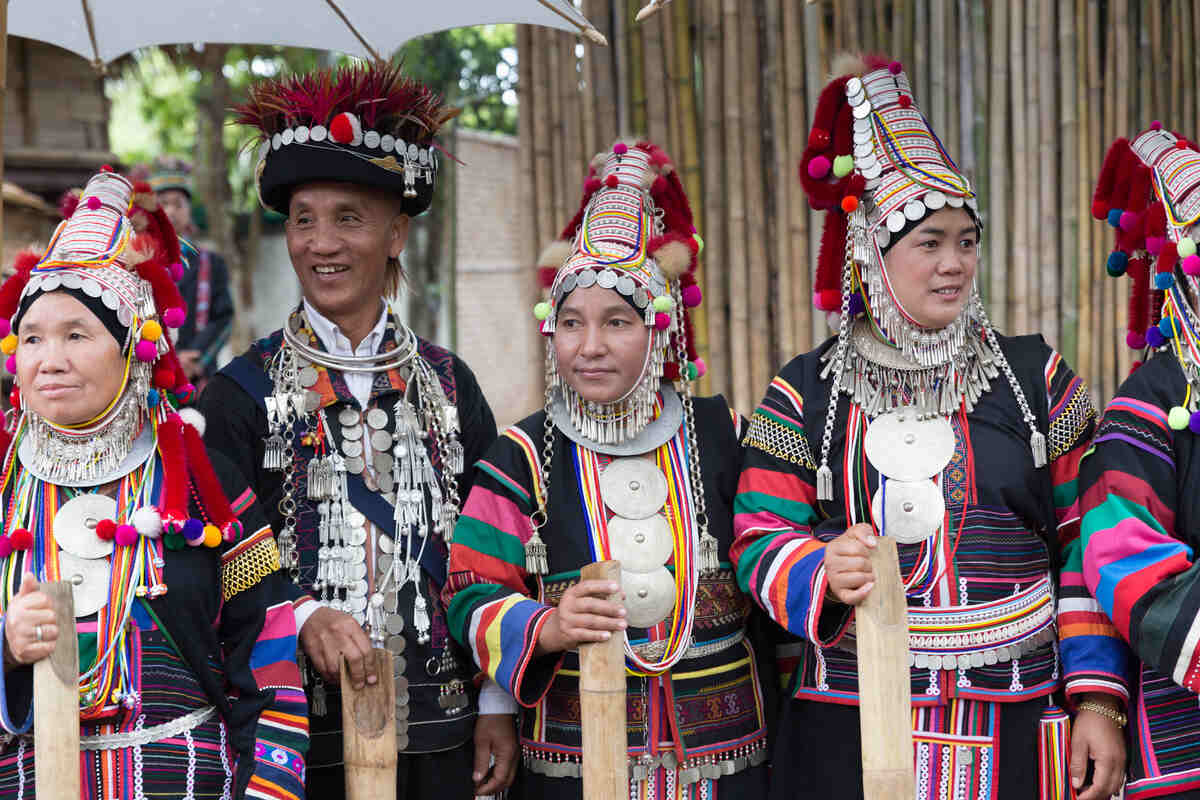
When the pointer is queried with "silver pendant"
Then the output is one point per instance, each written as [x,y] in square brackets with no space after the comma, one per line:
[633,487]
[641,545]
[905,447]
[74,525]
[649,596]
[89,582]
[909,512]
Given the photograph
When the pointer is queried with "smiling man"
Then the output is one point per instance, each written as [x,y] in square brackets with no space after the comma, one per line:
[357,433]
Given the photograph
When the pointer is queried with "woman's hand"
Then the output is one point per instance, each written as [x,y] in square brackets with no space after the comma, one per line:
[29,628]
[1096,738]
[584,614]
[848,564]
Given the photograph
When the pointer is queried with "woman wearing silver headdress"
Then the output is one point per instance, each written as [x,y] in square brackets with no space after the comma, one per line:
[919,422]
[620,464]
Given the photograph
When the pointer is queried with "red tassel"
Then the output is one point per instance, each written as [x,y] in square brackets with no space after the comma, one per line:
[1102,197]
[1139,309]
[831,117]
[828,280]
[10,292]
[212,496]
[174,503]
[1167,258]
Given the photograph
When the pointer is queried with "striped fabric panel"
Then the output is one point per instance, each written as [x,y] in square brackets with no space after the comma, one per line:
[503,634]
[273,657]
[281,742]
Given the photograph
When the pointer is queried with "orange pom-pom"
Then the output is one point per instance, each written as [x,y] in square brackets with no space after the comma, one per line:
[849,203]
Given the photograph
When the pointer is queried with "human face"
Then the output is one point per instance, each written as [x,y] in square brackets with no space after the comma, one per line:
[178,209]
[600,343]
[69,366]
[932,267]
[340,237]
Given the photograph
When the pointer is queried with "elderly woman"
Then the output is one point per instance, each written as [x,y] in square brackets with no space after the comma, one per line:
[620,464]
[188,684]
[959,443]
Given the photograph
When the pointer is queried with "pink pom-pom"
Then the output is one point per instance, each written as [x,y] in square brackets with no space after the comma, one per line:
[5,327]
[146,351]
[174,317]
[662,320]
[176,271]
[1135,340]
[692,296]
[620,148]
[895,67]
[126,535]
[1156,125]
[701,367]
[6,547]
[818,168]
[93,203]
[1191,264]
[1128,221]
[10,364]
[1154,244]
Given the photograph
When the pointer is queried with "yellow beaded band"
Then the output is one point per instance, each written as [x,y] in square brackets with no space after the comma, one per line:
[254,560]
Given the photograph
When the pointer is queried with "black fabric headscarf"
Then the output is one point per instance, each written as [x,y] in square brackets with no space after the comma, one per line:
[94,304]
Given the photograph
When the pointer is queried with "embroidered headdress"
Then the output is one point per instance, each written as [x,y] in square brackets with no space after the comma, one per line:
[1149,192]
[365,124]
[874,164]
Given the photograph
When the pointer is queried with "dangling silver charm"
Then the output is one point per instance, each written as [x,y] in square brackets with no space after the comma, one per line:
[1037,443]
[536,556]
[421,617]
[824,483]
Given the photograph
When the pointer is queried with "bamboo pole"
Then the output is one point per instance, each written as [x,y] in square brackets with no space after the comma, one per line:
[1069,175]
[779,176]
[543,154]
[673,136]
[796,133]
[574,157]
[1095,119]
[558,160]
[602,704]
[1018,286]
[655,81]
[1086,159]
[1187,110]
[736,254]
[1030,166]
[938,90]
[56,701]
[1124,121]
[590,71]
[1174,84]
[814,61]
[1193,120]
[999,198]
[715,181]
[637,87]
[1049,188]
[527,99]
[1107,290]
[369,733]
[920,53]
[757,306]
[622,52]
[901,25]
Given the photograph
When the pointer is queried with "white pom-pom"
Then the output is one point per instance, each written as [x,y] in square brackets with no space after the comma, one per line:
[191,416]
[148,522]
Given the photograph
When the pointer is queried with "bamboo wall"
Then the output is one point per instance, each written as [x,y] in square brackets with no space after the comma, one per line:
[1025,94]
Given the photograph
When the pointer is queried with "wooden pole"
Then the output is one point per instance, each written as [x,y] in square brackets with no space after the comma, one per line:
[1031,297]
[3,100]
[1069,173]
[715,178]
[795,130]
[815,64]
[885,700]
[1050,189]
[543,153]
[602,704]
[56,701]
[655,91]
[736,259]
[755,242]
[637,87]
[369,733]
[1085,159]
[784,266]
[1018,285]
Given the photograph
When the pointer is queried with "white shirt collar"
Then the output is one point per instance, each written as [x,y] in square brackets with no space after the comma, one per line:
[336,343]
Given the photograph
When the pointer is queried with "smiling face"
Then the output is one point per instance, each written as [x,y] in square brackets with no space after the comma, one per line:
[69,367]
[340,237]
[601,343]
[932,267]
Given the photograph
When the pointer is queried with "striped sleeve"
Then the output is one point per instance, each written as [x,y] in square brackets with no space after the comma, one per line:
[1134,561]
[281,737]
[778,560]
[1094,657]
[489,606]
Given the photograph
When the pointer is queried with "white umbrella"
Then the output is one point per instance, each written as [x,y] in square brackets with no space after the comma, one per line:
[102,30]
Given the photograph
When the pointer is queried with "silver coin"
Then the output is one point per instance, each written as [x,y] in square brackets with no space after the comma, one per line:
[357,536]
[606,279]
[649,596]
[402,711]
[357,554]
[74,525]
[908,511]
[905,448]
[312,401]
[391,602]
[356,571]
[862,110]
[402,697]
[381,441]
[352,449]
[357,605]
[89,582]
[396,644]
[386,482]
[854,86]
[356,519]
[641,545]
[401,741]
[633,487]
[348,416]
[308,377]
[386,544]
[401,686]
[394,624]
[382,461]
[353,433]
[354,464]
[585,279]
[377,418]
[358,588]
[383,563]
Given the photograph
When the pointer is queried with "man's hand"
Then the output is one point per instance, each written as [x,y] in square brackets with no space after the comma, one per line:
[327,637]
[495,737]
[584,614]
[848,564]
[1098,739]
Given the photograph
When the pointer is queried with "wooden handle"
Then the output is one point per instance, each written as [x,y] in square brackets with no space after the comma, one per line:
[885,698]
[369,732]
[602,704]
[56,703]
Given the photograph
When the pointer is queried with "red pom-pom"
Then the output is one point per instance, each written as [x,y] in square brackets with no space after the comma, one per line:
[94,203]
[1135,340]
[174,317]
[1134,366]
[14,397]
[1128,220]
[164,377]
[895,67]
[1181,145]
[849,203]
[828,300]
[1154,244]
[692,296]
[671,371]
[342,128]
[106,168]
[620,148]
[611,181]
[21,539]
[660,186]
[818,168]
[818,139]
[546,276]
[591,185]
[5,327]
[905,101]
[106,529]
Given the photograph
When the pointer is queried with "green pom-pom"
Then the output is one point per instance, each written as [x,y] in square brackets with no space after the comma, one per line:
[699,243]
[663,303]
[692,371]
[1186,247]
[541,310]
[1177,418]
[174,541]
[842,166]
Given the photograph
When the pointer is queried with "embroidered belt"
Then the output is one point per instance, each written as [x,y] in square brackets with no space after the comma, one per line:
[653,651]
[963,637]
[144,736]
[689,771]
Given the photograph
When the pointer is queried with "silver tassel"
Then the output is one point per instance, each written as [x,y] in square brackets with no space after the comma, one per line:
[536,562]
[273,453]
[1037,443]
[710,563]
[421,618]
[454,457]
[319,707]
[824,483]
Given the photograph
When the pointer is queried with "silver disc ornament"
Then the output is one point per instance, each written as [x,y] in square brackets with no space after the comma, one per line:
[649,596]
[908,511]
[75,525]
[904,447]
[641,545]
[89,582]
[633,488]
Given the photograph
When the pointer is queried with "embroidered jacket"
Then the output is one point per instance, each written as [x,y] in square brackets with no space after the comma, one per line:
[1008,550]
[237,425]
[710,708]
[1141,524]
[228,621]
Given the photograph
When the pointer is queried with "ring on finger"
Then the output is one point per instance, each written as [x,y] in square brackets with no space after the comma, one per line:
[37,632]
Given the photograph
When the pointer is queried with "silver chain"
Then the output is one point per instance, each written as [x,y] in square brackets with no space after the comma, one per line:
[689,421]
[824,477]
[1037,439]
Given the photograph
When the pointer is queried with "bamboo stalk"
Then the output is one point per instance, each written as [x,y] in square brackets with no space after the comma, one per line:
[369,732]
[1176,71]
[778,227]
[1187,110]
[622,52]
[715,180]
[999,198]
[796,131]
[920,53]
[1086,159]
[637,86]
[1030,166]
[1193,120]
[1048,265]
[1018,285]
[1069,178]
[574,157]
[673,134]
[1121,356]
[591,65]
[1098,142]
[1108,365]
[558,161]
[880,41]
[542,145]
[815,57]
[938,90]
[654,78]
[1153,21]
[736,255]
[755,241]
[602,703]
[527,113]
[1145,71]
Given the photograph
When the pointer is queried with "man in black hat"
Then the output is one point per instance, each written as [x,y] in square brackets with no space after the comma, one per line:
[357,434]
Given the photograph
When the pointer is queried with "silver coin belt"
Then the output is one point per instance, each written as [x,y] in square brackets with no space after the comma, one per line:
[689,771]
